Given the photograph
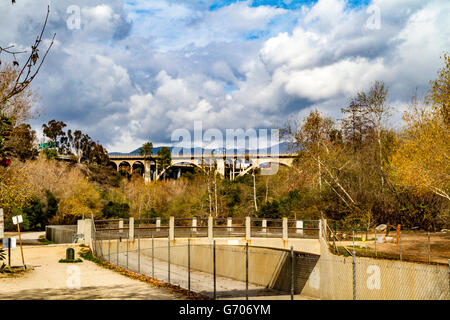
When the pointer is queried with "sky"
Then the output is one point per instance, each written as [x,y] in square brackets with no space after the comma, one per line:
[131,71]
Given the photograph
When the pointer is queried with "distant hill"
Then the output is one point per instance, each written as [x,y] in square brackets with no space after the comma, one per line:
[282,148]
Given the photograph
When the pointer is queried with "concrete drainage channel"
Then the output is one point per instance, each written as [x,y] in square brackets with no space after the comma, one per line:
[200,282]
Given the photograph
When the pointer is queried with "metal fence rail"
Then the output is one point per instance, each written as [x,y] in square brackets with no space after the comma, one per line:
[223,271]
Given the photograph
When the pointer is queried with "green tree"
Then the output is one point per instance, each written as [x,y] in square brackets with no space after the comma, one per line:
[35,214]
[22,143]
[5,133]
[165,158]
[116,210]
[50,153]
[52,205]
[146,150]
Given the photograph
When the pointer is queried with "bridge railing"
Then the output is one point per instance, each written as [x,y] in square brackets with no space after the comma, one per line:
[308,229]
[267,228]
[229,227]
[207,227]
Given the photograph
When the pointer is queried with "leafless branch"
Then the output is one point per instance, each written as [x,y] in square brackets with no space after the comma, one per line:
[22,82]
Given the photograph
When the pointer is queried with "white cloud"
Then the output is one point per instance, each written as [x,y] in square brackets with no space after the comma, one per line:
[182,62]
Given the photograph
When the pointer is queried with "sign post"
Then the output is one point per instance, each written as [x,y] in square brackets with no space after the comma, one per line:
[18,220]
[9,243]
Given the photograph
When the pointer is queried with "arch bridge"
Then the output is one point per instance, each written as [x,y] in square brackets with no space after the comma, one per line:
[229,166]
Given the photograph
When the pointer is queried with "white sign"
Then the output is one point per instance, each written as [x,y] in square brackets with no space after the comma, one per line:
[6,240]
[17,219]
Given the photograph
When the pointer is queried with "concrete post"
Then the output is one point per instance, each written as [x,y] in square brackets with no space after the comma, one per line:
[158,224]
[194,224]
[147,172]
[131,229]
[171,228]
[299,226]
[248,228]
[210,228]
[320,228]
[2,224]
[264,226]
[229,224]
[120,224]
[285,228]
[87,231]
[221,166]
[80,227]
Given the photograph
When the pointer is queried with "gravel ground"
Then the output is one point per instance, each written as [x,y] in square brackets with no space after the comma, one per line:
[48,279]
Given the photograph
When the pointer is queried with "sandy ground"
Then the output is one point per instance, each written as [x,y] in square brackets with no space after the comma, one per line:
[52,280]
[414,246]
[28,238]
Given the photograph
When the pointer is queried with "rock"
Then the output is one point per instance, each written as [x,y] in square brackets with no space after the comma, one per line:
[381,227]
[380,238]
[389,239]
[445,230]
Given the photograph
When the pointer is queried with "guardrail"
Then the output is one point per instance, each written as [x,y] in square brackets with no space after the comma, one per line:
[207,227]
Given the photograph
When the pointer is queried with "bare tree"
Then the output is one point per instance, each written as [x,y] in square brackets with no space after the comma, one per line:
[30,68]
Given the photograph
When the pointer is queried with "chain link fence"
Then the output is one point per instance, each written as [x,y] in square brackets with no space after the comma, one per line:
[391,243]
[236,271]
[217,271]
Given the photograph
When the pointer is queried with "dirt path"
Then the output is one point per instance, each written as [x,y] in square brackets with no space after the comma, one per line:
[414,246]
[50,279]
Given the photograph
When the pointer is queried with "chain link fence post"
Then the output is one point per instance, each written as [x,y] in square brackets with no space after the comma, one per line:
[400,244]
[117,253]
[354,273]
[292,273]
[109,247]
[429,249]
[139,253]
[448,275]
[376,254]
[189,264]
[168,261]
[246,271]
[214,268]
[153,256]
[127,253]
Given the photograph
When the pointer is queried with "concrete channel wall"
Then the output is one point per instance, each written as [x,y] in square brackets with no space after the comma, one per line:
[60,234]
[267,266]
[333,278]
[317,272]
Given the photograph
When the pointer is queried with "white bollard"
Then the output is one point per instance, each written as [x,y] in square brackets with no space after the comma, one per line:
[299,226]
[229,224]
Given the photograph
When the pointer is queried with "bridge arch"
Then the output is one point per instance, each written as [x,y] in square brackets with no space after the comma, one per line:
[138,167]
[124,166]
[113,165]
[178,162]
[258,163]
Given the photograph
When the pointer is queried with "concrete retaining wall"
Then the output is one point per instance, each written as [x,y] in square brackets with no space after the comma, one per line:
[322,276]
[267,267]
[60,234]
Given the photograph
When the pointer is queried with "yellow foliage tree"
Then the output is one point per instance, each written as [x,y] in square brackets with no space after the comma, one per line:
[422,158]
[83,200]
